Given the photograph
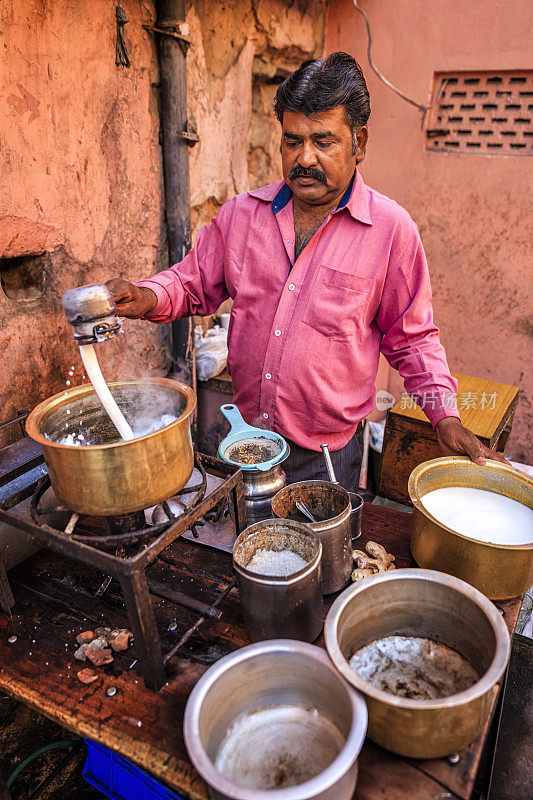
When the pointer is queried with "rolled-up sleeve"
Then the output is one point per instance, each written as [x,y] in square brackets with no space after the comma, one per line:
[410,340]
[195,285]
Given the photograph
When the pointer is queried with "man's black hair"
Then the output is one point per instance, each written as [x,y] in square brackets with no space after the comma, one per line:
[323,84]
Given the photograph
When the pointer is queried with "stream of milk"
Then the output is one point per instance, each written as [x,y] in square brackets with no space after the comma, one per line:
[94,373]
[482,515]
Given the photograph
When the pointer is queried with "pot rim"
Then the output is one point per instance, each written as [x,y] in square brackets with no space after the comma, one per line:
[277,580]
[45,408]
[490,677]
[325,523]
[498,466]
[321,782]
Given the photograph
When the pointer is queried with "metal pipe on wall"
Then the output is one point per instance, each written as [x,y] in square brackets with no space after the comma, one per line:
[173,120]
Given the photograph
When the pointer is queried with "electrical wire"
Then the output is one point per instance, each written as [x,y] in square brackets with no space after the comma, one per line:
[53,746]
[421,107]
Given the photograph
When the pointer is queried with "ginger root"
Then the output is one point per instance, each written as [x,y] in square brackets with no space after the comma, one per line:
[366,565]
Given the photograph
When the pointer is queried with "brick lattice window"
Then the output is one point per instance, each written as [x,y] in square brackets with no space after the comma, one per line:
[483,112]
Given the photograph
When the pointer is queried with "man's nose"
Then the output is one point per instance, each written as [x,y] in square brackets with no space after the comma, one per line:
[307,156]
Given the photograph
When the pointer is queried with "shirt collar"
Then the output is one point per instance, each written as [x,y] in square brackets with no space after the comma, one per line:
[355,199]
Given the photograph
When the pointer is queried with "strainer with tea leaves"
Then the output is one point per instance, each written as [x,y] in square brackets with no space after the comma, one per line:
[251,448]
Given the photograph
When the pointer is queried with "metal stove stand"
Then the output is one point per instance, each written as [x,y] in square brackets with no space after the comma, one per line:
[123,555]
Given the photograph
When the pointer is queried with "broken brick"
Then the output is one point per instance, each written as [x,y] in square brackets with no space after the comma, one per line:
[100,656]
[85,637]
[87,675]
[121,640]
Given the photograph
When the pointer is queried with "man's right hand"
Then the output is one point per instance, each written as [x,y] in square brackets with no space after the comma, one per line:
[131,301]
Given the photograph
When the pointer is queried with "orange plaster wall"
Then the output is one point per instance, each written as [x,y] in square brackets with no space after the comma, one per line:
[473,211]
[80,178]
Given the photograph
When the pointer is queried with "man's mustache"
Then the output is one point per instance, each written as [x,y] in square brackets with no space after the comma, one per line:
[310,172]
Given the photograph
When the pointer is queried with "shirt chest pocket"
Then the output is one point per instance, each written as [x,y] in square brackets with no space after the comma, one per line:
[338,303]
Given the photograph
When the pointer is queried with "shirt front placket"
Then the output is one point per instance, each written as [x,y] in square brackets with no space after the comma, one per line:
[295,291]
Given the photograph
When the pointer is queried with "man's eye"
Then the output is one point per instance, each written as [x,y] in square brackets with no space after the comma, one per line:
[292,144]
[323,145]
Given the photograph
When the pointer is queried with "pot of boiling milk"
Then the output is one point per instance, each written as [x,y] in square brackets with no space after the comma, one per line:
[118,447]
[94,471]
[474,522]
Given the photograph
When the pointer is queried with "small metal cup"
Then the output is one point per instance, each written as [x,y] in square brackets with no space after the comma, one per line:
[334,526]
[92,313]
[356,514]
[280,607]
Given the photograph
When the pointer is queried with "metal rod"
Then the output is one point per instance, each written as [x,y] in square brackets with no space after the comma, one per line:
[141,615]
[329,465]
[71,524]
[7,601]
[187,635]
[183,600]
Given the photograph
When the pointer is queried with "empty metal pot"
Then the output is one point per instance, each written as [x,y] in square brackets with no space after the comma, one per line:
[497,570]
[288,607]
[116,477]
[330,505]
[273,675]
[416,602]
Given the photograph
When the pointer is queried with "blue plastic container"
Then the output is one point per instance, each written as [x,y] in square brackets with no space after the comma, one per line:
[119,779]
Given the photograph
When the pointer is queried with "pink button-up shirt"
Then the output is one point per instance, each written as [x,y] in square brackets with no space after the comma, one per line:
[305,335]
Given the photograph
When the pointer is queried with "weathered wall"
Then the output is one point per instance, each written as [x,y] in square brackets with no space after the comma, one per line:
[240,53]
[472,210]
[80,161]
[80,179]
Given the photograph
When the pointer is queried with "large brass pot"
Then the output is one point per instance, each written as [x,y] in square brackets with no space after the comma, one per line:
[111,476]
[416,602]
[497,570]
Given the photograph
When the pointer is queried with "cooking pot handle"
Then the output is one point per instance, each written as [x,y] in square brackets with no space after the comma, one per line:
[233,415]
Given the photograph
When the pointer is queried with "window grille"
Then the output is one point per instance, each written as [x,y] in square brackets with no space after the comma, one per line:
[482,112]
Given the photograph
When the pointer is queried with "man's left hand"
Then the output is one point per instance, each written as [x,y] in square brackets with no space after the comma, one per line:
[455,439]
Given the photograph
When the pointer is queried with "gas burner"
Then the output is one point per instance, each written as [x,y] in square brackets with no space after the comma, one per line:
[122,552]
[127,529]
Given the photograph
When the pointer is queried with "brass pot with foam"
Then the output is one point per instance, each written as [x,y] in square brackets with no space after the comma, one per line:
[427,604]
[111,476]
[498,570]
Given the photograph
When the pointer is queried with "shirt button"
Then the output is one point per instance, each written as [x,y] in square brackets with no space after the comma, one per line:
[265,415]
[291,287]
[277,333]
[268,376]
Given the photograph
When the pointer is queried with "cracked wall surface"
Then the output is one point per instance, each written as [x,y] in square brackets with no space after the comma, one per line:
[80,160]
[80,180]
[240,53]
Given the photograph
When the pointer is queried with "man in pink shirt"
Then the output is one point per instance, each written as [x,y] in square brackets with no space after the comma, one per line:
[324,273]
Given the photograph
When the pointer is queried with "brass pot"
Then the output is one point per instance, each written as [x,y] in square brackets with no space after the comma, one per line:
[497,570]
[112,476]
[415,602]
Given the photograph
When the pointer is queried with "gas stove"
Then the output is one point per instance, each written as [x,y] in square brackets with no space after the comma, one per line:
[122,548]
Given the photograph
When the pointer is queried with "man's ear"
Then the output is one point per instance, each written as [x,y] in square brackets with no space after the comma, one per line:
[361,140]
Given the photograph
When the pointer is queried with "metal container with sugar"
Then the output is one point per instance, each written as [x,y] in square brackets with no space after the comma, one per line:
[278,602]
